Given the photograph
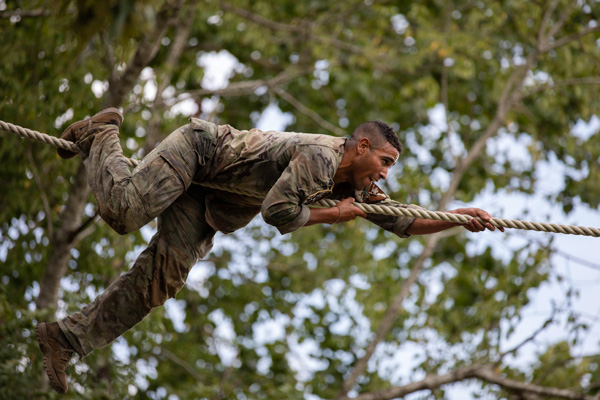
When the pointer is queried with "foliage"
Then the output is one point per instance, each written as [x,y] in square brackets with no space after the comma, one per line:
[266,316]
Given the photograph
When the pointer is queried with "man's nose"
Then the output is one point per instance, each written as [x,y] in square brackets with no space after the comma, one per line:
[384,172]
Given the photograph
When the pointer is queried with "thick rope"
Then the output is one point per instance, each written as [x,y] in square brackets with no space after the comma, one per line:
[402,211]
[368,208]
[53,140]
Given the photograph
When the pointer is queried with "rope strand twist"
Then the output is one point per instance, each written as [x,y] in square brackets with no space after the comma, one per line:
[368,208]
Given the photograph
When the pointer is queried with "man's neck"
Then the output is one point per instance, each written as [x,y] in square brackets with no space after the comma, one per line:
[343,172]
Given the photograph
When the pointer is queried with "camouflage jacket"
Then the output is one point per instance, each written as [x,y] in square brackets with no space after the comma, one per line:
[283,172]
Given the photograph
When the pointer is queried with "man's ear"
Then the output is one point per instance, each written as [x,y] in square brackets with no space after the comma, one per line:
[363,146]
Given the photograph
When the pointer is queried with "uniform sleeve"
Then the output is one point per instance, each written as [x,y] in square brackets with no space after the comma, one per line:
[306,174]
[396,225]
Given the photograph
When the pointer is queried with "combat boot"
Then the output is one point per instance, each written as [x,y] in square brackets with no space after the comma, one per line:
[83,132]
[57,353]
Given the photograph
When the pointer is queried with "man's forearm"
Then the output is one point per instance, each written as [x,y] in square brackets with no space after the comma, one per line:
[323,216]
[427,226]
[478,223]
[342,212]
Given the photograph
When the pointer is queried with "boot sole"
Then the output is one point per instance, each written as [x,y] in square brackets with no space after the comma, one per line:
[68,133]
[42,338]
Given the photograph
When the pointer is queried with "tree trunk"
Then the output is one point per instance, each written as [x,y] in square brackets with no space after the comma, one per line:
[63,241]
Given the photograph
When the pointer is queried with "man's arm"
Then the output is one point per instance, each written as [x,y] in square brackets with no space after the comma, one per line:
[345,211]
[308,172]
[427,226]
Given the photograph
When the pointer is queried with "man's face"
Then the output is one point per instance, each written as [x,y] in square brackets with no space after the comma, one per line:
[373,165]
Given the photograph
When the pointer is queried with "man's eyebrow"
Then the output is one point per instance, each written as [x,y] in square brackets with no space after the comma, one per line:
[390,159]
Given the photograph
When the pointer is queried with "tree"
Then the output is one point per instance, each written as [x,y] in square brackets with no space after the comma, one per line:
[321,311]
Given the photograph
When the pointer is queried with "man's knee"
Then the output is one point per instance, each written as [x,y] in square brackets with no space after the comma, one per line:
[122,223]
[125,229]
[171,272]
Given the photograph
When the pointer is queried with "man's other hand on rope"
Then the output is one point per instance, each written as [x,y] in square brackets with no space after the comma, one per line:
[427,226]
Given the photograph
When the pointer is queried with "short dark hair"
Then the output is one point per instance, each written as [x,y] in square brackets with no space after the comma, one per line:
[376,131]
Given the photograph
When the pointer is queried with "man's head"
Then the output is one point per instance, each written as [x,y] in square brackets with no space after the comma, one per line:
[373,148]
[379,134]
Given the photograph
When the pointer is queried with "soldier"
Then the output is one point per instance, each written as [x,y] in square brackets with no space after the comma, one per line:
[282,173]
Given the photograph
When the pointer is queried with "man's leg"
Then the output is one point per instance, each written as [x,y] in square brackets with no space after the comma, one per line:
[127,200]
[182,238]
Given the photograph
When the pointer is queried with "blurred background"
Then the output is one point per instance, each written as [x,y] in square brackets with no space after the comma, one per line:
[496,104]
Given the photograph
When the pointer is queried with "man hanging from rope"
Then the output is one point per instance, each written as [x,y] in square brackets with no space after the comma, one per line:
[284,172]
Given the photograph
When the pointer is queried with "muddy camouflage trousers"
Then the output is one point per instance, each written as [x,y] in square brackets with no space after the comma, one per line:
[127,200]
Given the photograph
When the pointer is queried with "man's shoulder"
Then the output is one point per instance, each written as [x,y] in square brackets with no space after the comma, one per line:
[310,144]
[202,125]
[314,139]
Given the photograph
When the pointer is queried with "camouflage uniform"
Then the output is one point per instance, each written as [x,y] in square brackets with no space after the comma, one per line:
[286,171]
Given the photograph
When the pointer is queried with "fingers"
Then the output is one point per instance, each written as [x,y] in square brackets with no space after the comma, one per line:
[347,201]
[349,210]
[493,228]
[487,218]
[356,212]
[477,227]
[475,224]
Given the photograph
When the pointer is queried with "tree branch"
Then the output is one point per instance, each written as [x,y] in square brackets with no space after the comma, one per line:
[530,338]
[444,86]
[225,379]
[509,97]
[42,12]
[83,230]
[304,28]
[38,183]
[182,34]
[62,243]
[488,375]
[108,59]
[568,82]
[507,100]
[310,113]
[578,260]
[431,382]
[547,15]
[63,240]
[390,316]
[247,87]
[483,372]
[186,366]
[571,38]
[145,53]
[260,20]
[564,16]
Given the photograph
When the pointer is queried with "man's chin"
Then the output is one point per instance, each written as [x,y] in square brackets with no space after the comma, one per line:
[364,186]
[361,185]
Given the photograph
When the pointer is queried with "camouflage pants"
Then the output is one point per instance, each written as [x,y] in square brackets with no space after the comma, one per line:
[127,200]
